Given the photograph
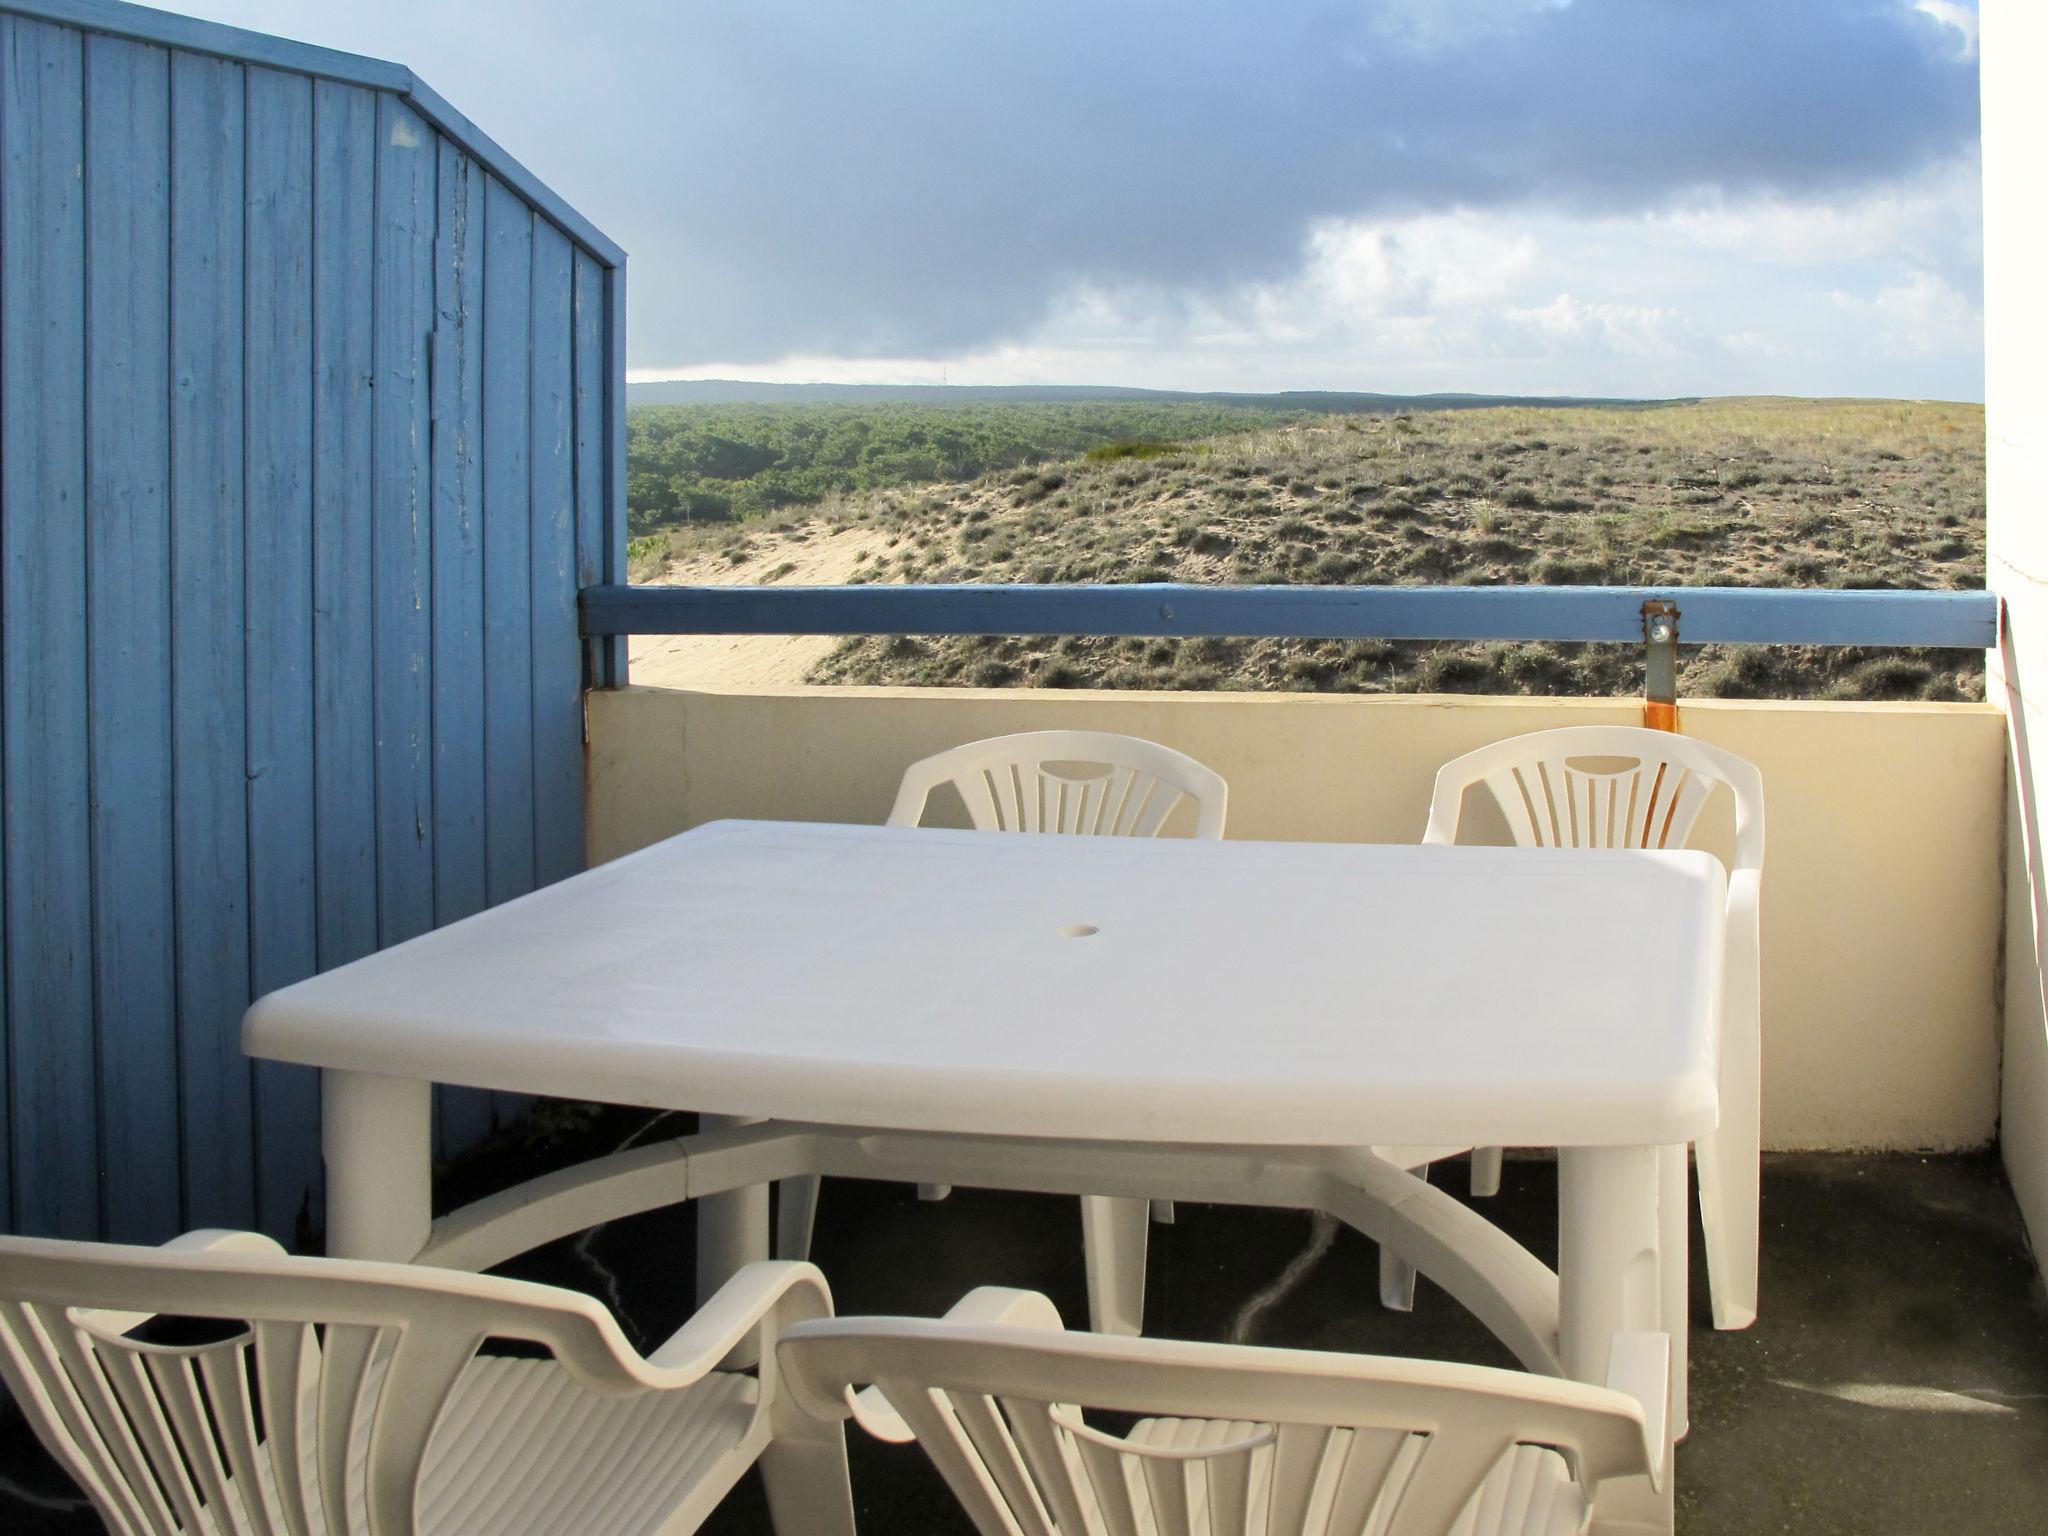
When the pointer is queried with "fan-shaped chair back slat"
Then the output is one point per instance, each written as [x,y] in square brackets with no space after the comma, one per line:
[1024,1424]
[1056,1475]
[288,1384]
[988,1440]
[311,1418]
[1073,783]
[1025,1467]
[64,1388]
[1557,801]
[1602,787]
[260,1434]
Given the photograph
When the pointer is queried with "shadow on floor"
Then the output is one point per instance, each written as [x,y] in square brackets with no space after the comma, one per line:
[1896,1382]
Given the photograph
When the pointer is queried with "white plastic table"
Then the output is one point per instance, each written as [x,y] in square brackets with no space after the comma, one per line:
[1107,1015]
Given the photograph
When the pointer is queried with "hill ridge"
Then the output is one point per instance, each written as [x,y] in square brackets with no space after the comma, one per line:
[1332,402]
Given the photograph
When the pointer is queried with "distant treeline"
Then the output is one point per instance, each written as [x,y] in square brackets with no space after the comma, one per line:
[1327,402]
[716,463]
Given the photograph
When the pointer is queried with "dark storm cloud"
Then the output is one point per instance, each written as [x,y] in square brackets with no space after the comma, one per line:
[820,177]
[911,179]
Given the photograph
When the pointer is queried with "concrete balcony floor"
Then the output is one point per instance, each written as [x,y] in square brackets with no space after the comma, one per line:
[1897,1381]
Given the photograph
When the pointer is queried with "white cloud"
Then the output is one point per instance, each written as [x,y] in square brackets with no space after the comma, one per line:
[1919,315]
[1414,266]
[1939,209]
[1425,25]
[1755,344]
[1963,18]
[1631,330]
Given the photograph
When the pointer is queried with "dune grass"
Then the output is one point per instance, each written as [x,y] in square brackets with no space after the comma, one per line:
[1740,492]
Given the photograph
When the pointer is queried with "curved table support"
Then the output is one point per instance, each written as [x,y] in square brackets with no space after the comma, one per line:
[1498,1280]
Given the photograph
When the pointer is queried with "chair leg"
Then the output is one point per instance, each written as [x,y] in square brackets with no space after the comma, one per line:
[1113,1240]
[1397,1275]
[1730,1189]
[1485,1171]
[796,1213]
[1674,1260]
[1162,1212]
[804,1472]
[1397,1282]
[1730,1159]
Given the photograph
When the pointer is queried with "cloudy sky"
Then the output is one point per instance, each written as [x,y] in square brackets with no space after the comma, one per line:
[1634,197]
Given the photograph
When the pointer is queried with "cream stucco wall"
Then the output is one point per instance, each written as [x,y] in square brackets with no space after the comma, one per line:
[1883,879]
[2015,52]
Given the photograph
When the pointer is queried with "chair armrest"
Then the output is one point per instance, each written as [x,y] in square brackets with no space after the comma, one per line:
[1640,1365]
[1002,1306]
[203,1240]
[222,1240]
[766,1296]
[986,1306]
[1745,898]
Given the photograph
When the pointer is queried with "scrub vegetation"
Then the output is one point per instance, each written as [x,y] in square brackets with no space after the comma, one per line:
[1744,492]
[694,464]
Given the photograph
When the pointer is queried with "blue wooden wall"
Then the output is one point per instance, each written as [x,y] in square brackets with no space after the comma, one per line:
[309,435]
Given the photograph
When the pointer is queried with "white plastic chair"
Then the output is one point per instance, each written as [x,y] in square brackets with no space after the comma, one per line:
[1076,783]
[1233,1441]
[1597,786]
[349,1399]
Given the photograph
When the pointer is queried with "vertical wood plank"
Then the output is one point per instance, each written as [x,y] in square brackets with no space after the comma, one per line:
[592,515]
[615,671]
[401,535]
[12,146]
[459,539]
[462,1115]
[279,596]
[508,588]
[557,647]
[128,245]
[208,713]
[43,635]
[344,728]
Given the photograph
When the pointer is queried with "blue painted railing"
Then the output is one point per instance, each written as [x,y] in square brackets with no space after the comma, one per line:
[1707,615]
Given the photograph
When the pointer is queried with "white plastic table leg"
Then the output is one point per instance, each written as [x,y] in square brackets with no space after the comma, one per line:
[1114,1233]
[376,1133]
[1611,1273]
[732,1228]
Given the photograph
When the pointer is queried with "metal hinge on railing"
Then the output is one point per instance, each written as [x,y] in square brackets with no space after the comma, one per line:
[1660,664]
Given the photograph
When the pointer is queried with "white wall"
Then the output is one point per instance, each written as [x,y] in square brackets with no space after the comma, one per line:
[2015,64]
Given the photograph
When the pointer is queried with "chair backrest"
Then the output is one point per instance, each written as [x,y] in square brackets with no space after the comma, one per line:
[1081,782]
[1235,1441]
[311,1418]
[1599,786]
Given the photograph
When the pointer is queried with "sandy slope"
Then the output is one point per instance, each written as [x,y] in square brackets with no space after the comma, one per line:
[820,554]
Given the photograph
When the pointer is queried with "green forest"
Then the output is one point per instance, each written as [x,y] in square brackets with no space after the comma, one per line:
[690,464]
